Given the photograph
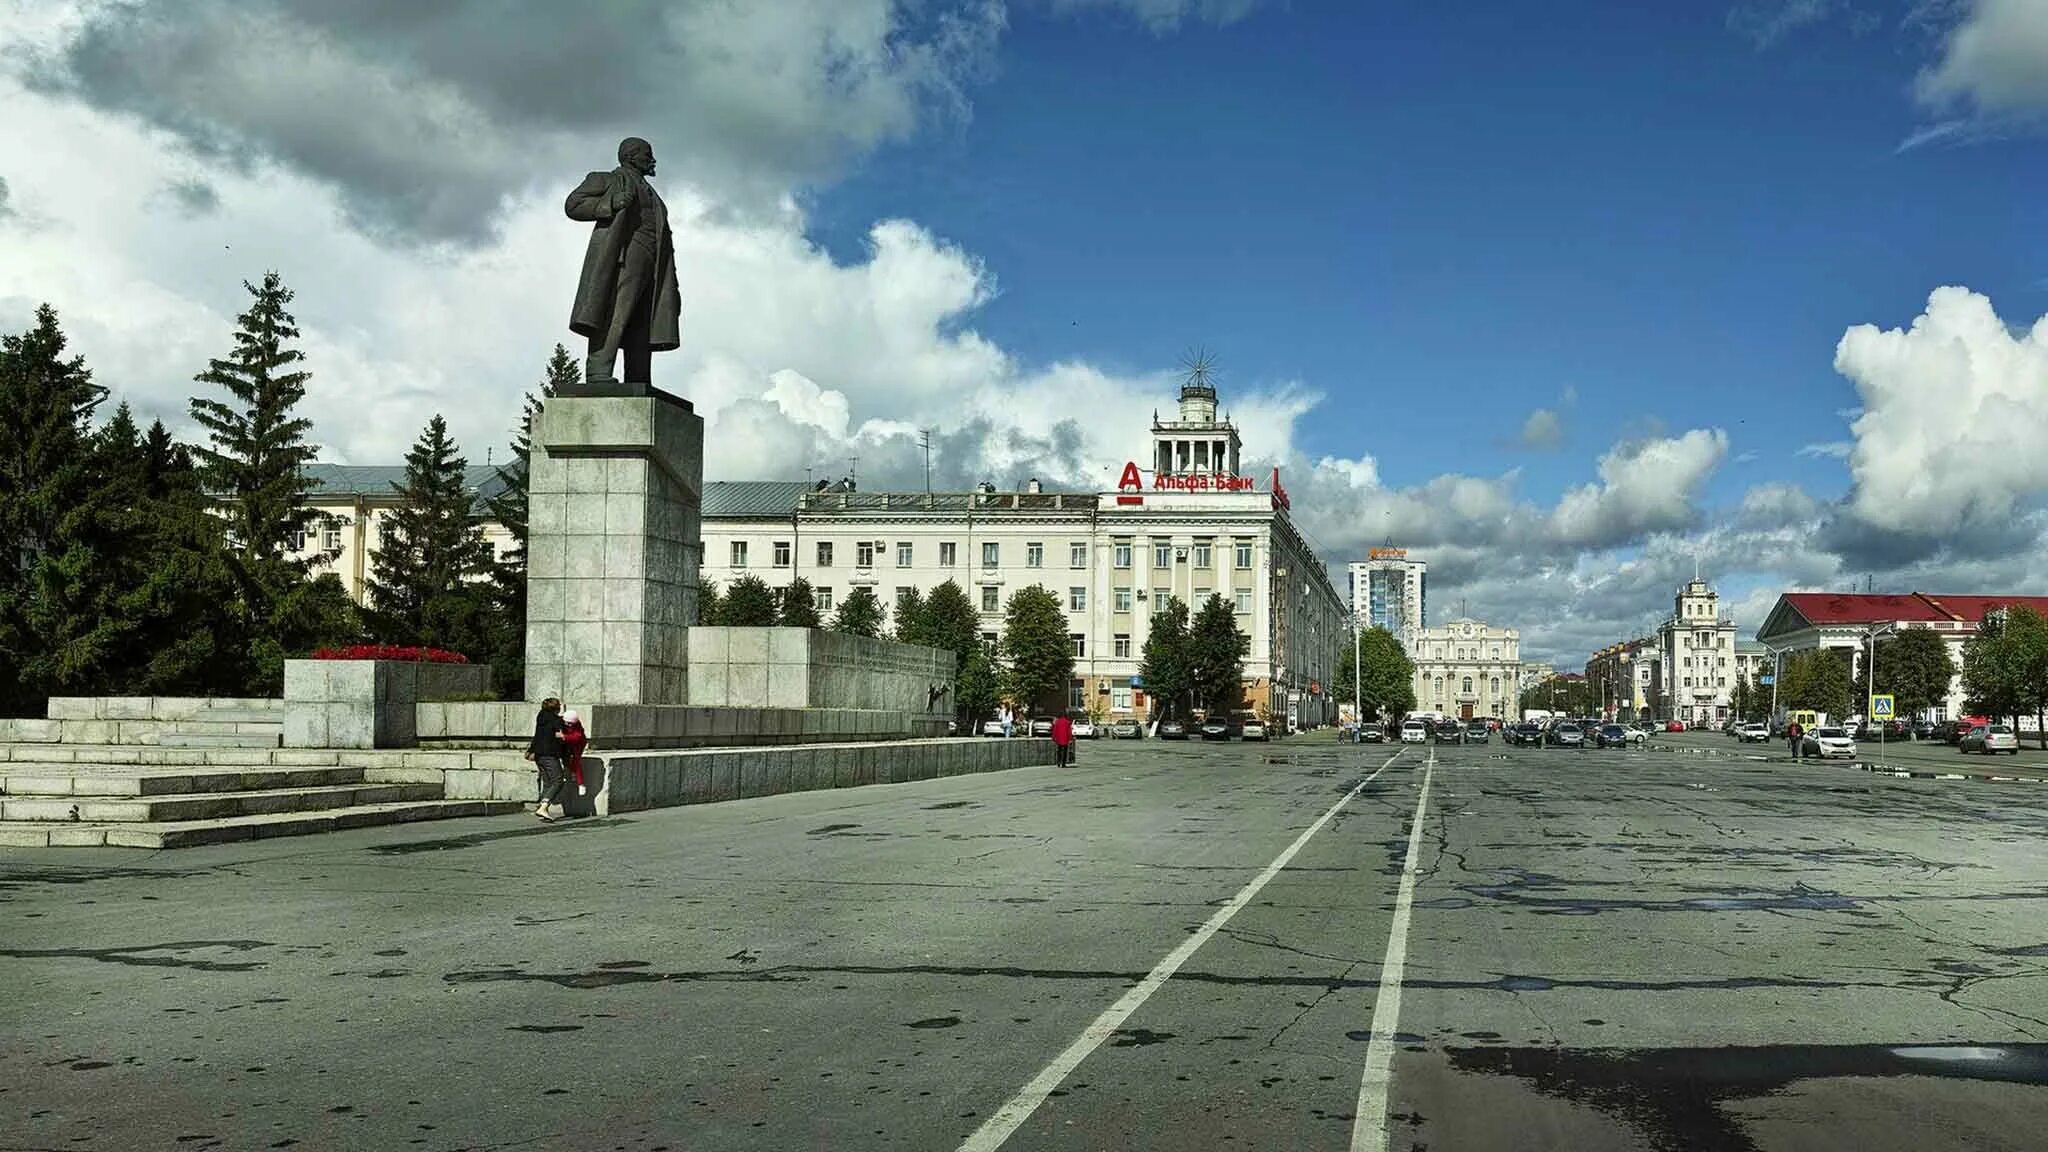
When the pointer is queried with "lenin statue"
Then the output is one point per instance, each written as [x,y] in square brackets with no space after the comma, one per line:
[627,300]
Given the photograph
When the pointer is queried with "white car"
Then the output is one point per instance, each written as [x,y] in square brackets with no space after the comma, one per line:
[1084,728]
[1253,729]
[1829,742]
[1414,732]
[1752,733]
[991,727]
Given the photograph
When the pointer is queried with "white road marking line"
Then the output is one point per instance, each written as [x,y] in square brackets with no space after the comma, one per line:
[1369,1119]
[1011,1116]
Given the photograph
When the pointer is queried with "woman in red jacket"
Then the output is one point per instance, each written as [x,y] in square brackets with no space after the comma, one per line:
[1062,741]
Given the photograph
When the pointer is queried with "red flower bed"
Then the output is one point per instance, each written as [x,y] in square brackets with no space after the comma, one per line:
[391,652]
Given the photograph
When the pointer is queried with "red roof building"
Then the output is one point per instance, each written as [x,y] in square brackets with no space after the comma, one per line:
[1807,620]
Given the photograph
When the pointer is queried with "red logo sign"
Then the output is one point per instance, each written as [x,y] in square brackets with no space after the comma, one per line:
[1280,499]
[1129,484]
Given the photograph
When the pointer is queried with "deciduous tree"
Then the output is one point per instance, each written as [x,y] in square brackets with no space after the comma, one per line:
[860,614]
[1165,665]
[1037,655]
[1216,651]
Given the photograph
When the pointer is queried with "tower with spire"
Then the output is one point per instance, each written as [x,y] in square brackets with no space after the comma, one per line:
[1199,440]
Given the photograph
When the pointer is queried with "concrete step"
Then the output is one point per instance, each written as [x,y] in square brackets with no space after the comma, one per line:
[214,726]
[191,833]
[222,739]
[242,714]
[206,805]
[151,755]
[77,780]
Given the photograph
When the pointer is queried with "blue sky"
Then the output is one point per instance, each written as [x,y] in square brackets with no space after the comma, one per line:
[1443,216]
[1651,225]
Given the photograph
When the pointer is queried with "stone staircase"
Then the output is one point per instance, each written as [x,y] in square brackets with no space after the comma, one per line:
[228,724]
[172,796]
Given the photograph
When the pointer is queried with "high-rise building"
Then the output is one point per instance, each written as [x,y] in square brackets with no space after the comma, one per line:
[1387,591]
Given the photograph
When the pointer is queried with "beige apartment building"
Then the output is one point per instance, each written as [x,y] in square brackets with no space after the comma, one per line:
[1469,668]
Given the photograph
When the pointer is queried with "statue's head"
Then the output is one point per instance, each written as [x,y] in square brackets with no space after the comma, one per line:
[637,154]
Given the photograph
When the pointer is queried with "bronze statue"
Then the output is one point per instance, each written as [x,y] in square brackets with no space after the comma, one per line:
[627,300]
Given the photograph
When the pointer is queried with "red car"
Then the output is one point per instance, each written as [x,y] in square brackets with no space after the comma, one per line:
[1674,725]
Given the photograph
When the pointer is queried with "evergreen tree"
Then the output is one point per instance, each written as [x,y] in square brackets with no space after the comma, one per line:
[709,607]
[908,617]
[1037,654]
[253,467]
[860,614]
[951,622]
[1165,667]
[1216,651]
[426,578]
[749,603]
[797,607]
[51,637]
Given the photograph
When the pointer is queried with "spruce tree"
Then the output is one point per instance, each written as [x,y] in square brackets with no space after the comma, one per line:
[253,467]
[908,617]
[798,608]
[426,579]
[949,620]
[749,603]
[860,614]
[49,633]
[709,607]
[1216,649]
[509,504]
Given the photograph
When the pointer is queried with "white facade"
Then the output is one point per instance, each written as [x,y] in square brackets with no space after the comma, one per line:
[1697,668]
[357,499]
[1386,590]
[1110,557]
[1469,668]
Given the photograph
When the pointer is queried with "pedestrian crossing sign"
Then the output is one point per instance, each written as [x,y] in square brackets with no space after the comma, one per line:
[1880,707]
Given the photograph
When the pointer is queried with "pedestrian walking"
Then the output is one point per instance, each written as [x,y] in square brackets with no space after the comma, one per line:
[1796,737]
[1062,741]
[545,750]
[1008,719]
[573,740]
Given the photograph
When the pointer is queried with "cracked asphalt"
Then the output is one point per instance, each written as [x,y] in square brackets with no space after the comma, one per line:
[1606,950]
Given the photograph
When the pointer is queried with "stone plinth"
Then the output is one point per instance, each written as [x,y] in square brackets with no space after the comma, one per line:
[368,703]
[813,668]
[612,549]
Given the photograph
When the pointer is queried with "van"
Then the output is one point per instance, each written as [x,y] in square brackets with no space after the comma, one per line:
[1414,732]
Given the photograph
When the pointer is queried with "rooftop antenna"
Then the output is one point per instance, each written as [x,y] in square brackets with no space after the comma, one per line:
[925,438]
[853,472]
[1200,364]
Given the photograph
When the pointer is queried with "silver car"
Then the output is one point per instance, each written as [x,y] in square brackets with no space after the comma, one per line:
[1990,738]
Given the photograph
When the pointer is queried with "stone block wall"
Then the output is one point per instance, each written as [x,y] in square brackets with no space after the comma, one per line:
[617,726]
[814,668]
[368,703]
[613,548]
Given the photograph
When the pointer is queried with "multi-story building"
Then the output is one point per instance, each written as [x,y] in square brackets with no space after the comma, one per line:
[1696,676]
[1386,591]
[1469,668]
[1625,678]
[1802,621]
[1752,659]
[357,499]
[1534,674]
[1189,527]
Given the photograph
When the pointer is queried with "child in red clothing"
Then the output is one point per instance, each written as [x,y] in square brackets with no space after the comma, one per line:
[573,740]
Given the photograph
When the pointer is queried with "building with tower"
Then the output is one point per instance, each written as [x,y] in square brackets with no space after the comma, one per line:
[1184,521]
[1696,667]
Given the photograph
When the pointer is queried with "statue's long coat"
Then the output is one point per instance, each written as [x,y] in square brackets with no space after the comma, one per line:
[607,199]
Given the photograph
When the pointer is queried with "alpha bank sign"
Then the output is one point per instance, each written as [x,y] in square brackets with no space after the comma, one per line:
[1130,487]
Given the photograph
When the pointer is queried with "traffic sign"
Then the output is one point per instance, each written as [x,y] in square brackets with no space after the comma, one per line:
[1881,707]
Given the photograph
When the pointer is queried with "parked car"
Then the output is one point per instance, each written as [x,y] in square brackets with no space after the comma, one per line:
[1752,733]
[1255,729]
[1215,729]
[1414,732]
[1635,734]
[1372,734]
[1956,729]
[1565,735]
[1990,738]
[1477,732]
[1886,729]
[1674,725]
[1924,729]
[1450,732]
[991,727]
[1173,730]
[1126,729]
[1527,734]
[1610,736]
[1042,726]
[1827,743]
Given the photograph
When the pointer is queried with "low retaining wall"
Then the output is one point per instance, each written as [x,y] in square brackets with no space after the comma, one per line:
[815,668]
[631,781]
[368,703]
[611,727]
[141,719]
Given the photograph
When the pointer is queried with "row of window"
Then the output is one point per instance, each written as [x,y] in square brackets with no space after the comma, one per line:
[1120,598]
[1720,682]
[1163,555]
[1687,662]
[1119,645]
[1467,653]
[1493,687]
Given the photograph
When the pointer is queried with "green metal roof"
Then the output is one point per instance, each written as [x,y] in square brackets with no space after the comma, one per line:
[376,480]
[750,499]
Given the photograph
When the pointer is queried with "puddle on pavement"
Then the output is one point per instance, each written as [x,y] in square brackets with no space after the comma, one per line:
[1674,1096]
